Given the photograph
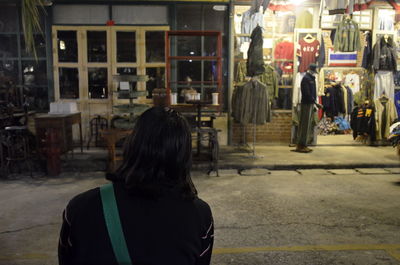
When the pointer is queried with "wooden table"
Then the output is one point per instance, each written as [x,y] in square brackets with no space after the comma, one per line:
[112,136]
[62,122]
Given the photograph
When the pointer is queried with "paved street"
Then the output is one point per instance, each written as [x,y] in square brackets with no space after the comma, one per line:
[313,217]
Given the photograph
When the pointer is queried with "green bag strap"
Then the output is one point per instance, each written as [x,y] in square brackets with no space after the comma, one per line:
[114,227]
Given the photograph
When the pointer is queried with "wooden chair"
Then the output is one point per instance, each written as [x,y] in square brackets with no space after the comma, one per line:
[95,125]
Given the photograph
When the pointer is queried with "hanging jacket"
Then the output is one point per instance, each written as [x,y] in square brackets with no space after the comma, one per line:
[255,61]
[367,54]
[333,101]
[362,122]
[250,103]
[385,116]
[321,54]
[347,37]
[269,78]
[350,100]
[384,55]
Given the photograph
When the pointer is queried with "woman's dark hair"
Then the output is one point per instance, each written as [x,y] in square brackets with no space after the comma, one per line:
[158,155]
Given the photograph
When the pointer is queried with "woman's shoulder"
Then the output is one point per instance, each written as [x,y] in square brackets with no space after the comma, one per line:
[85,196]
[202,206]
[80,204]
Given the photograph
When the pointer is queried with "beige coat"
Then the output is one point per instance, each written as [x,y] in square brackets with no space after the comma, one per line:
[391,116]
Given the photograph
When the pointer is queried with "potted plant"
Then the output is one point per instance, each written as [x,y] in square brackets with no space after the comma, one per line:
[31,10]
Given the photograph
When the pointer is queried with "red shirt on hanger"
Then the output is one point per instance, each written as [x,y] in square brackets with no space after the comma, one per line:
[284,50]
[308,53]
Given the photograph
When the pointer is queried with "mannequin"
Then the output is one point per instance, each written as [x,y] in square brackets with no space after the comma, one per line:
[308,101]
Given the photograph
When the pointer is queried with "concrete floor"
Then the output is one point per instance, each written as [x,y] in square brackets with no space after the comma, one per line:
[314,216]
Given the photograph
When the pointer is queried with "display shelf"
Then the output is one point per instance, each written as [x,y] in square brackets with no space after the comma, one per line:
[131,94]
[178,43]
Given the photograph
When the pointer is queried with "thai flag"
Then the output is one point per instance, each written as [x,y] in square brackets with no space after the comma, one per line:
[341,59]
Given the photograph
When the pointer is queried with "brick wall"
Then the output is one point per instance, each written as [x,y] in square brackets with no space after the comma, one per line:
[276,131]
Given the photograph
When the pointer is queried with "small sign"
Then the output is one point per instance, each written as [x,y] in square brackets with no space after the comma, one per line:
[123,85]
[219,8]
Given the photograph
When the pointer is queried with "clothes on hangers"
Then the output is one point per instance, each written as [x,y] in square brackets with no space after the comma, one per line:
[367,54]
[284,50]
[386,115]
[384,83]
[321,54]
[308,53]
[289,23]
[249,22]
[269,78]
[255,61]
[352,80]
[250,103]
[304,20]
[281,5]
[384,54]
[350,100]
[362,122]
[386,23]
[347,37]
[333,101]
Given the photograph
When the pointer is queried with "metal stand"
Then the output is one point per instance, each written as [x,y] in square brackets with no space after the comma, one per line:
[254,156]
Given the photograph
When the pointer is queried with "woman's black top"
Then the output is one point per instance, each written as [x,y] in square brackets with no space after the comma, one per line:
[163,231]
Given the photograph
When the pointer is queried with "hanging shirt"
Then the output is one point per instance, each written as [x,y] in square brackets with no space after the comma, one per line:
[308,51]
[289,23]
[347,37]
[284,50]
[353,82]
[250,22]
[281,5]
[304,20]
[386,23]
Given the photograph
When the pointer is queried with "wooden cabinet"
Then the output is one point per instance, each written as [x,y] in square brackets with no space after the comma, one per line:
[61,122]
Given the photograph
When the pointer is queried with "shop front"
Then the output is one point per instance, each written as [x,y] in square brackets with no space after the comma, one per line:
[86,45]
[355,49]
[89,52]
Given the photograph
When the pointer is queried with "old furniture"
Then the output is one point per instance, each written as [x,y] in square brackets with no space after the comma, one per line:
[112,136]
[61,122]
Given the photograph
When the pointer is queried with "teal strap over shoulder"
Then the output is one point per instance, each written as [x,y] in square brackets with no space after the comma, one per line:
[114,227]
